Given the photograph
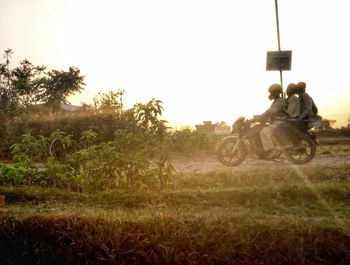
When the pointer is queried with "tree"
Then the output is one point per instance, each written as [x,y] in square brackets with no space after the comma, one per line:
[59,85]
[147,117]
[110,102]
[26,82]
[7,96]
[326,125]
[6,68]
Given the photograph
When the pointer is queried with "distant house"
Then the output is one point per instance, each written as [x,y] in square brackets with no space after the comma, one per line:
[45,107]
[211,128]
[69,107]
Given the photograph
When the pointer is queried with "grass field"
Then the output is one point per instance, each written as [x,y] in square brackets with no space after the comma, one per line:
[297,215]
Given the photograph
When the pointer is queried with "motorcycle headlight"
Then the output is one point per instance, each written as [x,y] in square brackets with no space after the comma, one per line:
[237,125]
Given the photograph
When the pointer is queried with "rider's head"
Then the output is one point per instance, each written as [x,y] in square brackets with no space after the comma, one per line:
[291,89]
[275,91]
[301,87]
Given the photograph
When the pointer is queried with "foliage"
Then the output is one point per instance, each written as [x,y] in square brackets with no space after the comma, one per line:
[326,125]
[98,150]
[88,137]
[15,174]
[58,85]
[30,149]
[125,161]
[109,102]
[57,174]
[142,120]
[147,117]
[26,82]
[136,156]
[187,141]
[63,139]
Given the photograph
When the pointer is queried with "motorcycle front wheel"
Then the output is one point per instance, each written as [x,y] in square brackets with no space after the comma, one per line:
[303,152]
[232,151]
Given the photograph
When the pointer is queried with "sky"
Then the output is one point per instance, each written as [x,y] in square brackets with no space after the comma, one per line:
[204,59]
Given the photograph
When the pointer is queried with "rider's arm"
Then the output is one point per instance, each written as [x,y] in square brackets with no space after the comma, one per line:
[264,117]
[278,109]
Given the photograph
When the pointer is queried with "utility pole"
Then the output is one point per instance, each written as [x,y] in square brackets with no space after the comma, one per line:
[278,37]
[279,60]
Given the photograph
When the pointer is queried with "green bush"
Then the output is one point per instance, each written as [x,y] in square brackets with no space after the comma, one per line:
[132,151]
[15,174]
[127,161]
[187,141]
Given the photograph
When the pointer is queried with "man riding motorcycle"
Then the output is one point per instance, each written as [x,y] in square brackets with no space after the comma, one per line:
[275,116]
[270,134]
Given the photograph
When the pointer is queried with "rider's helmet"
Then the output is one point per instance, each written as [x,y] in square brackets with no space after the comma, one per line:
[301,86]
[291,89]
[275,91]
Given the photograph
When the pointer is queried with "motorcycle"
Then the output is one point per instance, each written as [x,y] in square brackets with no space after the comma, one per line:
[245,139]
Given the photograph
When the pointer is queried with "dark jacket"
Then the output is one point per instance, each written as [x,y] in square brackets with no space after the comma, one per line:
[293,106]
[308,107]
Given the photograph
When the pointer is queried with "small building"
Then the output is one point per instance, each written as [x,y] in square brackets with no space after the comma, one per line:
[332,122]
[211,128]
[69,107]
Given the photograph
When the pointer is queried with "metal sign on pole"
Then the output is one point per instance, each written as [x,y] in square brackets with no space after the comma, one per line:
[278,60]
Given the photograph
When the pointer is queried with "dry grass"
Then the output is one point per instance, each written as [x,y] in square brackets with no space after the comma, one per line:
[291,216]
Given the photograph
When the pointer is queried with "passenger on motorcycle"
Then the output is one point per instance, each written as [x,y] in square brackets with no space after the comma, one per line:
[301,112]
[292,122]
[293,101]
[308,109]
[275,116]
[306,101]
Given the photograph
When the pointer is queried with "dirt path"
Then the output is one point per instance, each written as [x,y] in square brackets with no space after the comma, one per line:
[202,164]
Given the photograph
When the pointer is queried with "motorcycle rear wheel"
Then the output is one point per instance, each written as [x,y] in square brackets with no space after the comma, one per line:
[230,157]
[304,152]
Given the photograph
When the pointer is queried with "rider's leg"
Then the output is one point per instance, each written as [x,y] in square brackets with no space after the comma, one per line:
[284,135]
[266,138]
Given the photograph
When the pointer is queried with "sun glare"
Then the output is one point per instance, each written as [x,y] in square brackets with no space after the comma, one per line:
[204,60]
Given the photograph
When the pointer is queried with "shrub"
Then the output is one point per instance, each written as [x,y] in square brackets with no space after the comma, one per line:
[187,141]
[15,174]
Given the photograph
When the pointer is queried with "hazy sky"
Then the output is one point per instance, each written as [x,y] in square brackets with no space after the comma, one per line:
[205,59]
